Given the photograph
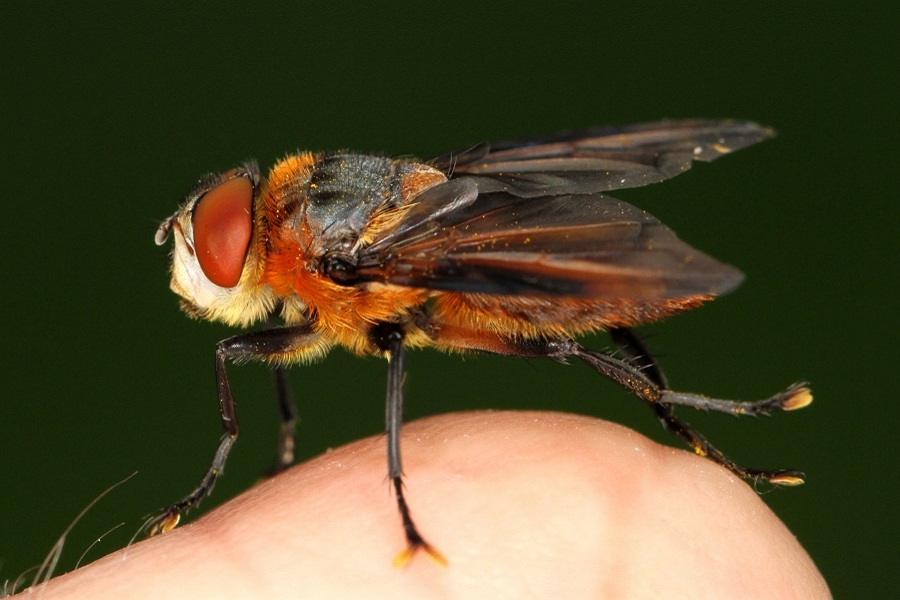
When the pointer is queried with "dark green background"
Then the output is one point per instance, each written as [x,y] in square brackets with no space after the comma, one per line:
[109,113]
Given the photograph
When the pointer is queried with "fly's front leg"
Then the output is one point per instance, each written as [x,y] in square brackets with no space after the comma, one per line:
[258,345]
[389,339]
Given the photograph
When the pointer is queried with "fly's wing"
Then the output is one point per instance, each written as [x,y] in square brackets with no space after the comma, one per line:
[566,245]
[598,160]
[526,217]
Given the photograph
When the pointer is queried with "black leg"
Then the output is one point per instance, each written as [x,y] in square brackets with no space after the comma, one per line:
[257,345]
[662,400]
[638,355]
[288,412]
[287,408]
[389,338]
[640,375]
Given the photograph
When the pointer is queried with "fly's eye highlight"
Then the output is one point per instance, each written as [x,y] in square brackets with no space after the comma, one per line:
[223,224]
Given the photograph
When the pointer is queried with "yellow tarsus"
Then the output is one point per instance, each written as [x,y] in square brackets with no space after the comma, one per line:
[403,558]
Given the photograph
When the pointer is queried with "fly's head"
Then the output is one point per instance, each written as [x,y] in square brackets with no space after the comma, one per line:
[219,252]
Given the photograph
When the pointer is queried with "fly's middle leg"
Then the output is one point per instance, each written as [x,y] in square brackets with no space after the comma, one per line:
[389,338]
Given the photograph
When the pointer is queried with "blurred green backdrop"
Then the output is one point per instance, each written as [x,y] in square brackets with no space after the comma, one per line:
[110,111]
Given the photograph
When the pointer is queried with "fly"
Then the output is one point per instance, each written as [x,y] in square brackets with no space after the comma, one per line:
[508,248]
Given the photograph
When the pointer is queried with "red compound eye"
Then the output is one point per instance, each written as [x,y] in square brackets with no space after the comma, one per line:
[222,228]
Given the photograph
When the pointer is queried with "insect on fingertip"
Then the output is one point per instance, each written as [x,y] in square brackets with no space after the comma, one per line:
[507,248]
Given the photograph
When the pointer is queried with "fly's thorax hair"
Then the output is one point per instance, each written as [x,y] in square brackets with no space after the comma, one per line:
[241,304]
[293,310]
[319,204]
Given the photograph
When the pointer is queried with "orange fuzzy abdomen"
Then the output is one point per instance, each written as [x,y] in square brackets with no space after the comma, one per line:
[553,316]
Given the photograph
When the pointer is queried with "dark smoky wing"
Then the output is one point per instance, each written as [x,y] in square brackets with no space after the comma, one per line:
[448,162]
[429,209]
[567,245]
[598,160]
[526,217]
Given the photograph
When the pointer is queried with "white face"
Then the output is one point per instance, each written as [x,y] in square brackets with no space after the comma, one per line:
[215,261]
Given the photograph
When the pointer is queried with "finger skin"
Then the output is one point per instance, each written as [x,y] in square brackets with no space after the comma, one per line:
[522,505]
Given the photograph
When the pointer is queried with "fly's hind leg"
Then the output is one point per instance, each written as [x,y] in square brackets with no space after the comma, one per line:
[662,400]
[636,354]
[258,345]
[639,374]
